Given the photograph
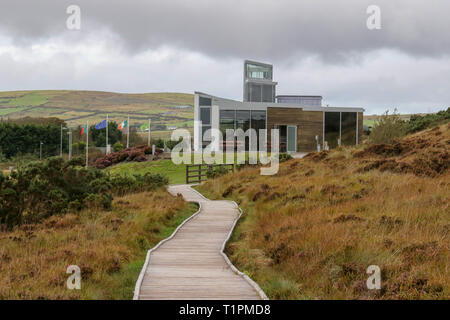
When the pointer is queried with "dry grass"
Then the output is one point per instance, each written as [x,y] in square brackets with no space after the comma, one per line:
[109,247]
[311,231]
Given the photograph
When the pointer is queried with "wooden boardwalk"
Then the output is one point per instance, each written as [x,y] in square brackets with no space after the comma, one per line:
[190,264]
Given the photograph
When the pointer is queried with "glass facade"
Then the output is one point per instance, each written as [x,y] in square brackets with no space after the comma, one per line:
[348,128]
[242,119]
[205,101]
[258,72]
[332,123]
[226,121]
[340,125]
[205,116]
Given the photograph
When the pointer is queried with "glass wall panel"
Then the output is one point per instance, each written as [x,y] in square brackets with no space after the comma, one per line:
[259,72]
[205,101]
[348,128]
[227,120]
[258,122]
[243,119]
[255,92]
[332,120]
[205,116]
[208,136]
[267,94]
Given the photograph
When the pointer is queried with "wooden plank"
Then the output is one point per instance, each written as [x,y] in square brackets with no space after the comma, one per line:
[190,265]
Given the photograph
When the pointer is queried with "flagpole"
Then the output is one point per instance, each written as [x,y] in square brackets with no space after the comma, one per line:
[106,134]
[149,123]
[87,143]
[128,134]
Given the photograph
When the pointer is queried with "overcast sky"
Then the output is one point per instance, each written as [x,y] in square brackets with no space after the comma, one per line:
[317,47]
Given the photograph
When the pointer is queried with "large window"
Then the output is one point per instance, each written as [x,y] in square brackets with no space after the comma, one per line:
[205,118]
[255,92]
[205,101]
[259,72]
[227,119]
[348,128]
[242,119]
[259,122]
[332,123]
[267,93]
[340,125]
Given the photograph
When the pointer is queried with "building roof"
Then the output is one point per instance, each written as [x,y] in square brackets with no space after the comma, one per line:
[234,104]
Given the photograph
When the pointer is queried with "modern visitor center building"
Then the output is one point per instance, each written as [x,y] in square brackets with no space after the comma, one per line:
[304,124]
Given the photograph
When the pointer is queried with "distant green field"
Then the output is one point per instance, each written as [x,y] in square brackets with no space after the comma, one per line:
[8,111]
[32,99]
[175,173]
[77,107]
[369,122]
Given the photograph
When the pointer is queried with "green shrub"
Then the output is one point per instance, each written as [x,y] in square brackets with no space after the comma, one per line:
[284,157]
[214,172]
[117,146]
[159,143]
[388,128]
[172,143]
[417,122]
[54,186]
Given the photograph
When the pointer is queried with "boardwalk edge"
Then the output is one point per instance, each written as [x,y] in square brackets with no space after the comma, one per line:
[137,288]
[227,260]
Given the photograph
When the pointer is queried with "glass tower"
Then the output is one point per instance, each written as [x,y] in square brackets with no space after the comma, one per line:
[258,84]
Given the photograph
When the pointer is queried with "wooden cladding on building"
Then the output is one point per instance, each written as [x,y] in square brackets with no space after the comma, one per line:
[309,124]
[360,126]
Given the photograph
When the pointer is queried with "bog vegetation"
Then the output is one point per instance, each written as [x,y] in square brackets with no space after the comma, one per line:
[41,189]
[109,246]
[391,127]
[311,231]
[56,213]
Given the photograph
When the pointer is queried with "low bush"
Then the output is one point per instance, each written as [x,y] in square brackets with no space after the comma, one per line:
[41,189]
[417,123]
[130,154]
[117,146]
[388,129]
[214,172]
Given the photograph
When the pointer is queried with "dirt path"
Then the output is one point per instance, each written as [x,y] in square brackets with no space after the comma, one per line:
[190,264]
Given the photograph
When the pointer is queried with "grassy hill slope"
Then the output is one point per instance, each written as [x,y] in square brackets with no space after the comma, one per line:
[312,230]
[78,106]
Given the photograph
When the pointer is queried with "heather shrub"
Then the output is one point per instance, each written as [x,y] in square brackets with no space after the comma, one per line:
[41,189]
[389,128]
[214,172]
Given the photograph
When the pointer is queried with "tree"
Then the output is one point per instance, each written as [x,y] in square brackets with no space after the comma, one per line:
[99,136]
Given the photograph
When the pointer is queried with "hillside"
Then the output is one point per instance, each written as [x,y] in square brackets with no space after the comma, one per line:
[311,231]
[78,106]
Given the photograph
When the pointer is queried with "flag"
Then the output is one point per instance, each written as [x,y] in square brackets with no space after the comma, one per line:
[83,130]
[123,125]
[144,127]
[101,125]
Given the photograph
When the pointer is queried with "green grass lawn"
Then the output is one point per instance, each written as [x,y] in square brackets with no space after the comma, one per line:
[175,173]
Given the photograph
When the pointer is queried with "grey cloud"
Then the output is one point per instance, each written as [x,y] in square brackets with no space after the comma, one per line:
[275,31]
